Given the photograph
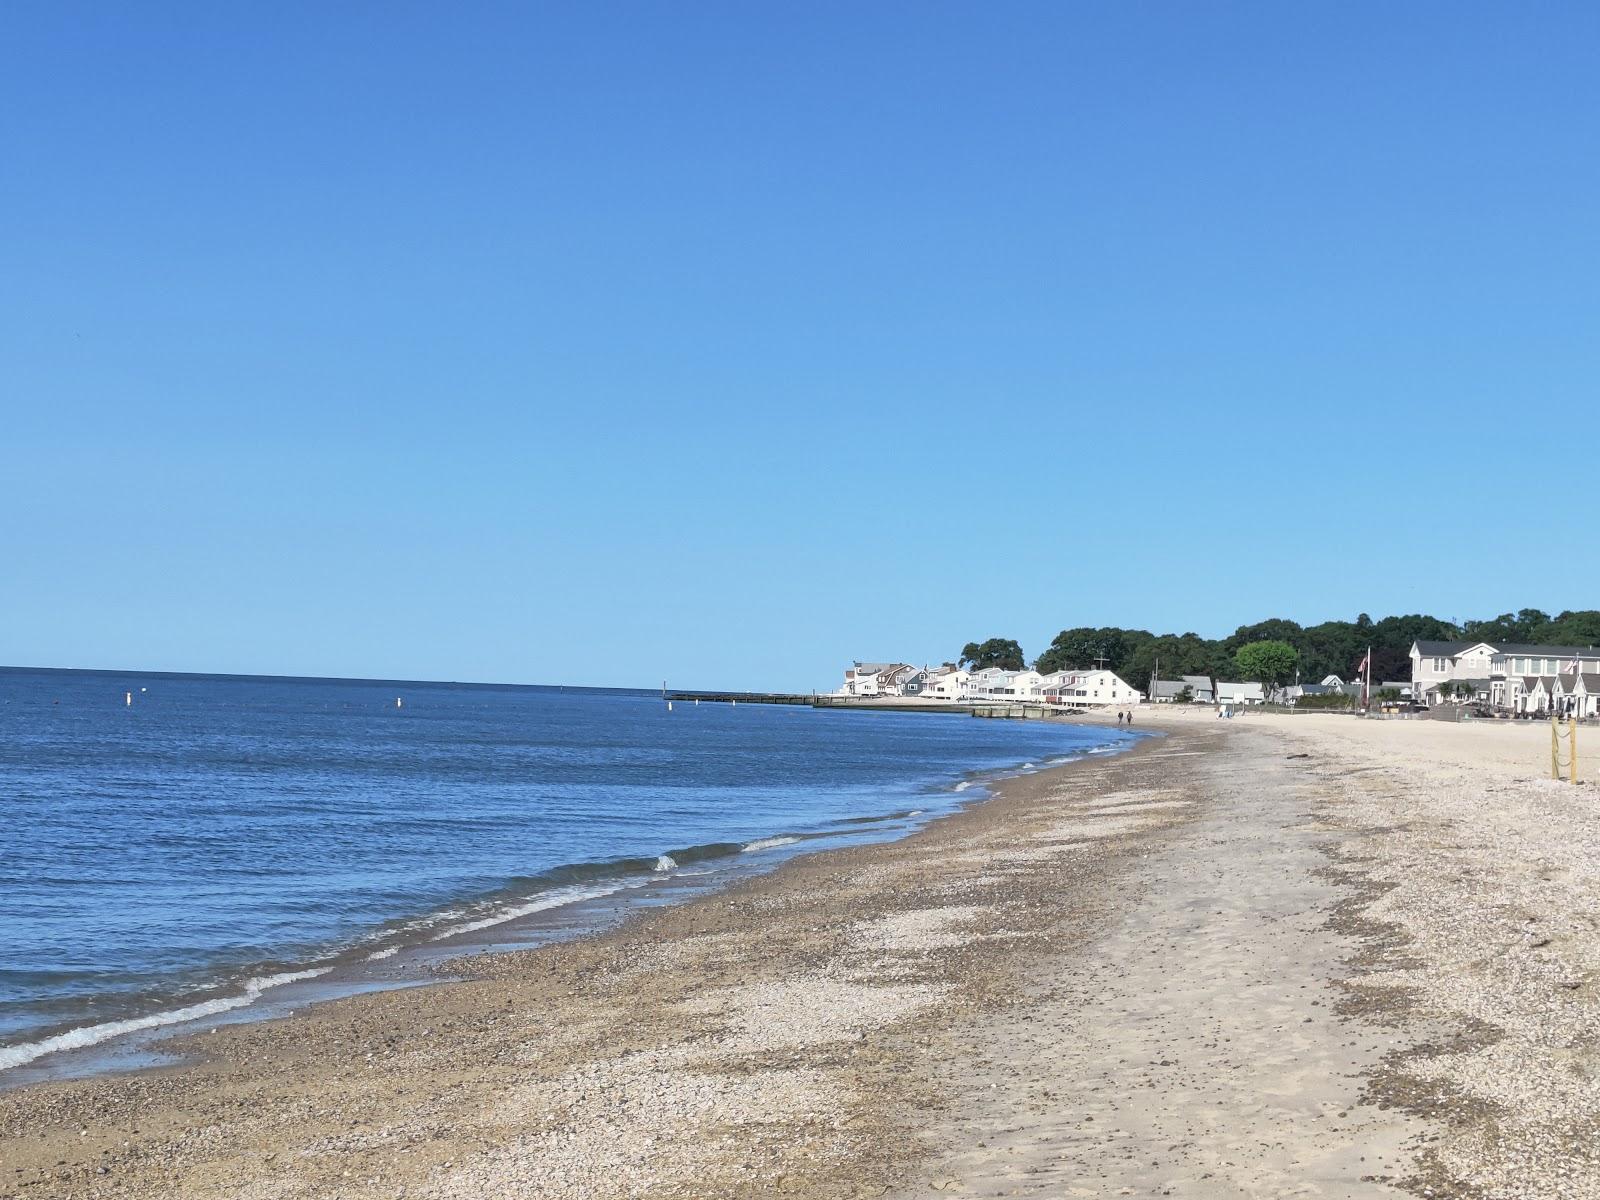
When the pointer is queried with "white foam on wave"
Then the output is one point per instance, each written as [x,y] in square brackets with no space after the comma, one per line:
[542,903]
[915,812]
[666,863]
[963,785]
[771,843]
[389,952]
[91,1035]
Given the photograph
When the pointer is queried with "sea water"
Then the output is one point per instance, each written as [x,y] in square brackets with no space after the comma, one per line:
[181,845]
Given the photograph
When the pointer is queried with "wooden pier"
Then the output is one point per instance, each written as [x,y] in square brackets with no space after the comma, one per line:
[1002,711]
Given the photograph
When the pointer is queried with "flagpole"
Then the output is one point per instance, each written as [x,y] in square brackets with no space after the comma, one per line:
[1366,693]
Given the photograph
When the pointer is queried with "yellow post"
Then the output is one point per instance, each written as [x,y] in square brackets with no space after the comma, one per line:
[1555,747]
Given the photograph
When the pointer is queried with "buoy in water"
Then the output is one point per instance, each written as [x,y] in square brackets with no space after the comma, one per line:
[128,699]
[399,703]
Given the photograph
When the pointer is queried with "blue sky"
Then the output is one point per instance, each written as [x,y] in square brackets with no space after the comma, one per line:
[722,343]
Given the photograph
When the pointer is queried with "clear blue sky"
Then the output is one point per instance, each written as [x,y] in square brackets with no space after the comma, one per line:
[722,343]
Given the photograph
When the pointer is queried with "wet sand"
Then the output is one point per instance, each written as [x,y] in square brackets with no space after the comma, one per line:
[1203,968]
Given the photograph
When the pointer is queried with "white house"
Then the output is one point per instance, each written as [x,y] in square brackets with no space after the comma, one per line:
[1580,694]
[1090,689]
[862,679]
[1027,685]
[946,683]
[991,683]
[1200,688]
[1239,693]
[881,679]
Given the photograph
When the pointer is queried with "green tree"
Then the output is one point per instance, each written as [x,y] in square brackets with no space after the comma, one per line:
[1004,653]
[1085,647]
[1271,663]
[1570,629]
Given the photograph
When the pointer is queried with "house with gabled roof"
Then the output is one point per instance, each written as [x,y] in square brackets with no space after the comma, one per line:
[881,679]
[1580,694]
[948,682]
[1090,689]
[1502,674]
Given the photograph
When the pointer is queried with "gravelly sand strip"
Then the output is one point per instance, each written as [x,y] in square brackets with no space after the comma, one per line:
[778,1037]
[1204,969]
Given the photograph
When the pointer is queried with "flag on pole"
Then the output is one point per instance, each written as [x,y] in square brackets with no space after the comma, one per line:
[1365,665]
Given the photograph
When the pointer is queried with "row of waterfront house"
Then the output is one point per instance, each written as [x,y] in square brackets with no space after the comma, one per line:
[1072,689]
[1086,688]
[1509,676]
[1518,679]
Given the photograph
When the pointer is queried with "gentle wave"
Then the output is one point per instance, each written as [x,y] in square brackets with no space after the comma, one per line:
[549,900]
[90,1035]
[771,843]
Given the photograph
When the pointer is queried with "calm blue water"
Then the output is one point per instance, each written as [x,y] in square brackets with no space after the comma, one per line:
[222,832]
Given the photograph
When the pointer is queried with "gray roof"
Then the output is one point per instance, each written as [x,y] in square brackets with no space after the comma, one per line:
[1198,680]
[1451,649]
[1591,681]
[1442,649]
[1548,651]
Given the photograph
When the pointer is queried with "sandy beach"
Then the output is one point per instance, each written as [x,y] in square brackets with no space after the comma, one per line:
[1307,956]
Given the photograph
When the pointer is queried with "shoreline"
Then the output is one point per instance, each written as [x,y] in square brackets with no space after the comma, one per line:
[1258,959]
[427,949]
[414,1040]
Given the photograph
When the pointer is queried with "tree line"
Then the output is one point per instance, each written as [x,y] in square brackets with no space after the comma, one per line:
[1329,648]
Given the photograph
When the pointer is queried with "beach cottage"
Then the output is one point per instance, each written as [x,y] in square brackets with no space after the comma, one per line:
[880,679]
[1091,689]
[1239,693]
[948,682]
